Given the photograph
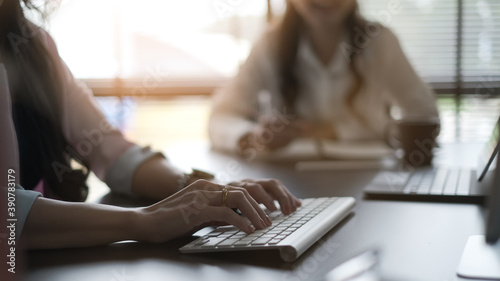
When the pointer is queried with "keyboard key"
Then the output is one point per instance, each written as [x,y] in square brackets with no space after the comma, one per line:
[280,228]
[274,241]
[464,183]
[413,183]
[247,239]
[261,241]
[230,237]
[426,183]
[202,241]
[242,243]
[450,186]
[227,243]
[212,242]
[439,181]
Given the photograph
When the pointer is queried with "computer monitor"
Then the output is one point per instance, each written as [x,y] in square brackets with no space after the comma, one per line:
[492,233]
[480,259]
[488,153]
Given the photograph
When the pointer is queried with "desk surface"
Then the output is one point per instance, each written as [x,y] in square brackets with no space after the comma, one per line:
[417,240]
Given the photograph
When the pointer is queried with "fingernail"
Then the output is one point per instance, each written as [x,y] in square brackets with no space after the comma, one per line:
[262,223]
[269,222]
[250,229]
[273,207]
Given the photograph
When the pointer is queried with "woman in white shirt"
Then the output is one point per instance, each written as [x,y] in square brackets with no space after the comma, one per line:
[322,72]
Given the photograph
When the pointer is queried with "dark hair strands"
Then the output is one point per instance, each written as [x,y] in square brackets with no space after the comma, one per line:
[35,84]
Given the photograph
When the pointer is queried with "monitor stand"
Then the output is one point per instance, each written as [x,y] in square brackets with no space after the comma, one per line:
[480,260]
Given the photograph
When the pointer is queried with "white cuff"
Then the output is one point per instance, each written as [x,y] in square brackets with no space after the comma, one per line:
[24,200]
[226,131]
[119,175]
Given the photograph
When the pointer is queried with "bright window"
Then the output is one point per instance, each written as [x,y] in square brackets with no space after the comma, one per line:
[182,39]
[454,44]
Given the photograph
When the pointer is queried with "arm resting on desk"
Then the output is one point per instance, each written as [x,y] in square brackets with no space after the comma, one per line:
[58,224]
[156,179]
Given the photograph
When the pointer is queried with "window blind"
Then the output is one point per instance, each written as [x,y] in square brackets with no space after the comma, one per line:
[481,46]
[453,44]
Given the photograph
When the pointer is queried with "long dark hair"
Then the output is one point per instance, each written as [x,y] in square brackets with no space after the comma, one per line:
[288,42]
[35,84]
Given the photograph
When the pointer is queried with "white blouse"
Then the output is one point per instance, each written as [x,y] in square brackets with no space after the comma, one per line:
[388,81]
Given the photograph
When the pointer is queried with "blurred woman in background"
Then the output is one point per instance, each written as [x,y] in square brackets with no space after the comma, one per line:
[323,72]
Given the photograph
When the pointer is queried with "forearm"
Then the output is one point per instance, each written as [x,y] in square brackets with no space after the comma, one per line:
[8,141]
[156,179]
[58,224]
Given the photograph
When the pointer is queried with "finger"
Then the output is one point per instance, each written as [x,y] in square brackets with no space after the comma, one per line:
[266,184]
[260,195]
[256,206]
[275,187]
[215,198]
[238,199]
[295,201]
[223,214]
[252,190]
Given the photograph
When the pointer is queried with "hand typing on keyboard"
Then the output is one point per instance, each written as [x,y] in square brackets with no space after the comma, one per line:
[266,191]
[291,234]
[205,203]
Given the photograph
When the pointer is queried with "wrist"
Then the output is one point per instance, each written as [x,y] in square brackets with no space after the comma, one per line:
[136,226]
[244,142]
[186,179]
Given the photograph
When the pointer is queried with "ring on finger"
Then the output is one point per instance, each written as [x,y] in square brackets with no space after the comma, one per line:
[225,191]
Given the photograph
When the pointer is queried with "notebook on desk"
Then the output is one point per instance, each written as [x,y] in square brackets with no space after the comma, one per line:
[291,234]
[308,148]
[437,183]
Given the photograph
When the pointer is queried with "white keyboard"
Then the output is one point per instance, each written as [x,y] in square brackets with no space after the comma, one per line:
[292,234]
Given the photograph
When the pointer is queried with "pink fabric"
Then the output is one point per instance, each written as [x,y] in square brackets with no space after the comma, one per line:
[9,158]
[84,125]
[46,192]
[40,188]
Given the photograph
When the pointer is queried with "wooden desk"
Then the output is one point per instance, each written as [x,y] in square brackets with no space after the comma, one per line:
[418,241]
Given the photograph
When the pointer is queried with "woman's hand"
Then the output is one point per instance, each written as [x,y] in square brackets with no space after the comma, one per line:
[197,205]
[306,129]
[265,191]
[272,134]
